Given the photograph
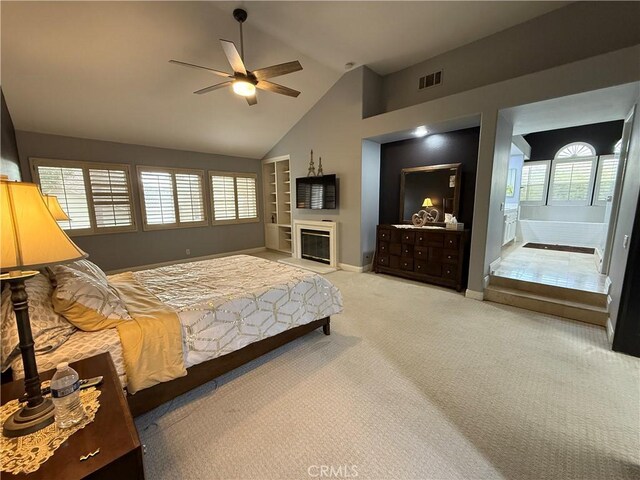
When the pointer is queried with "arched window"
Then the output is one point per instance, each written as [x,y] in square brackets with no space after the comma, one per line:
[576,149]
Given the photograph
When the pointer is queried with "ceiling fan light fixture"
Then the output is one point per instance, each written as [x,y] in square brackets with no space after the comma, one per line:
[244,88]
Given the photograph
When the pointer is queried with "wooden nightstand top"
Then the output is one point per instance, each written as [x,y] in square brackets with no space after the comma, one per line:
[113,431]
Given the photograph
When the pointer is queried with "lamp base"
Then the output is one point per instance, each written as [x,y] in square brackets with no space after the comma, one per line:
[29,419]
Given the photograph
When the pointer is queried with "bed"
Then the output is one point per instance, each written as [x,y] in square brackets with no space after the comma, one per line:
[231,310]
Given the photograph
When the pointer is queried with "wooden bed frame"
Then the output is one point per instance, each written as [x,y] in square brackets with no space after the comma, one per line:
[197,375]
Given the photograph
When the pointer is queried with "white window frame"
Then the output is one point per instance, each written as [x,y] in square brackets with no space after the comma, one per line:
[234,175]
[172,171]
[559,161]
[545,186]
[596,191]
[35,162]
[561,156]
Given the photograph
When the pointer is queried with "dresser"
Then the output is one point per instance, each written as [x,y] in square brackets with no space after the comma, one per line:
[428,255]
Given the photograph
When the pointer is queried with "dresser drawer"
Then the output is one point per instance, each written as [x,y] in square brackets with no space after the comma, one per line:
[425,268]
[395,249]
[420,253]
[407,250]
[383,260]
[384,235]
[450,256]
[394,261]
[430,239]
[408,237]
[450,240]
[450,271]
[406,264]
[383,248]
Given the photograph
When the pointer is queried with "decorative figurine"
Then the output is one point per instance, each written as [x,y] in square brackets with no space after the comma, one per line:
[312,168]
[320,167]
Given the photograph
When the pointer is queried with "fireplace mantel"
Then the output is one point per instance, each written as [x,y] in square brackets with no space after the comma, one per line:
[330,227]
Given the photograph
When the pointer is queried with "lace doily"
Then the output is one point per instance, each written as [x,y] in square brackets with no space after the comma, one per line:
[26,454]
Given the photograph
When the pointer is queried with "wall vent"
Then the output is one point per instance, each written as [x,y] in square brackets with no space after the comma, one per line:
[430,80]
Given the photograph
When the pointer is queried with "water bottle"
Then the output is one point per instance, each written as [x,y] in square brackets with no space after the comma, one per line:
[65,393]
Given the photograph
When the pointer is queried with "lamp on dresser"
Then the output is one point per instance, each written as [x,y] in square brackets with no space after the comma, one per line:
[30,238]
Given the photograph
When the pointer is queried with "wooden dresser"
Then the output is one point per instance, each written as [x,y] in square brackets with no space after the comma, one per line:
[424,254]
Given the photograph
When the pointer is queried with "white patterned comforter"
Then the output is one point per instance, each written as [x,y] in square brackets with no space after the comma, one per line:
[223,305]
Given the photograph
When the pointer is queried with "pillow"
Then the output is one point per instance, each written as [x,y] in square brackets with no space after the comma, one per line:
[49,329]
[90,269]
[85,301]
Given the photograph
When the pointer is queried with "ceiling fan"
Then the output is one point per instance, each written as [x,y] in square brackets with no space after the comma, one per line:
[244,82]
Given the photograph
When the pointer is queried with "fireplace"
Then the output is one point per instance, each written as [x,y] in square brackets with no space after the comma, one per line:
[314,242]
[315,245]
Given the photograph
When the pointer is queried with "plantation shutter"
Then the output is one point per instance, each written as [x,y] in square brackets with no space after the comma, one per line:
[246,194]
[224,204]
[111,197]
[534,179]
[607,179]
[67,183]
[571,182]
[190,197]
[158,195]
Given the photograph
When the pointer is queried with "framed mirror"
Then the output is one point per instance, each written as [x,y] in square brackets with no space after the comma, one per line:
[437,187]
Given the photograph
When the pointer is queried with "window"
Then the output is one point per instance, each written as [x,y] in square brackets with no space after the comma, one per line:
[172,197]
[533,186]
[95,196]
[234,197]
[576,149]
[572,181]
[605,179]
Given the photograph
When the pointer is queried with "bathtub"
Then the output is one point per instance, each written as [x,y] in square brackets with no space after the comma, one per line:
[575,234]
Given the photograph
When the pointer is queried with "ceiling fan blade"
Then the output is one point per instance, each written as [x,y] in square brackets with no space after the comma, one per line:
[233,56]
[217,72]
[277,70]
[212,88]
[274,87]
[252,100]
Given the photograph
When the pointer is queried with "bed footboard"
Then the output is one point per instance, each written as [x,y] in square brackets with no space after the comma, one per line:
[150,398]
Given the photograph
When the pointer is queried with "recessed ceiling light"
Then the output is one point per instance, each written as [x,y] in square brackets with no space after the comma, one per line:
[420,131]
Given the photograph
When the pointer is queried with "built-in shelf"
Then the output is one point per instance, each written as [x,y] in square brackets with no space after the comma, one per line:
[277,201]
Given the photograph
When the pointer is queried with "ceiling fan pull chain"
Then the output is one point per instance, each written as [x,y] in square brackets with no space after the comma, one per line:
[241,43]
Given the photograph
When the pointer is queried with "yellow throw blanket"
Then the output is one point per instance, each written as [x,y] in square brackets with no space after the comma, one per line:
[152,341]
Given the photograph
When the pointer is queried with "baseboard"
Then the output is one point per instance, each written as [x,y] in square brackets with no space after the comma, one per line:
[486,280]
[610,331]
[248,251]
[352,268]
[474,295]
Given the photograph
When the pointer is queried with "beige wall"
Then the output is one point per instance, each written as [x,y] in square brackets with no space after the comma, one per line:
[626,216]
[123,250]
[331,129]
[578,31]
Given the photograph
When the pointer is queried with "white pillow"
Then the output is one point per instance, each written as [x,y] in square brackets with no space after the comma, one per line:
[85,301]
[90,269]
[49,329]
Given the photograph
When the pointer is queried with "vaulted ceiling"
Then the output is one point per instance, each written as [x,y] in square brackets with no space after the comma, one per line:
[100,69]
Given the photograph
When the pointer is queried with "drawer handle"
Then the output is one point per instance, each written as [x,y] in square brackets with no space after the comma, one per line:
[419,253]
[449,256]
[448,271]
[420,238]
[419,267]
[405,264]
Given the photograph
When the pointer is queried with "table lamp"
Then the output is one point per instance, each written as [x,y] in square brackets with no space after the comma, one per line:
[54,207]
[30,238]
[432,216]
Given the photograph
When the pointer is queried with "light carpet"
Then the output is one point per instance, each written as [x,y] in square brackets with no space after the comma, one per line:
[414,382]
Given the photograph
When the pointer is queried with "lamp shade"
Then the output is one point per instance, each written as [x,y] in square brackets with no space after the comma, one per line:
[427,202]
[30,236]
[54,207]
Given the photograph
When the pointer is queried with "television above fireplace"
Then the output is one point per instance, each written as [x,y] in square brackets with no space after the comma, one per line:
[317,193]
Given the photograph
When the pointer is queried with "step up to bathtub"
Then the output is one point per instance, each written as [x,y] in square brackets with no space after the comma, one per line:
[595,299]
[562,304]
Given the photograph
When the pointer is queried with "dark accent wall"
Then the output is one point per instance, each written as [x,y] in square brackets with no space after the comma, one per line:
[603,137]
[114,251]
[460,146]
[10,163]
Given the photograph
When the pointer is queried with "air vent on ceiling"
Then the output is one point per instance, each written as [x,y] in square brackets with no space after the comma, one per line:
[430,80]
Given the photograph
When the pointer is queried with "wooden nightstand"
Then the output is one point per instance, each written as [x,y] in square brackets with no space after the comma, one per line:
[113,431]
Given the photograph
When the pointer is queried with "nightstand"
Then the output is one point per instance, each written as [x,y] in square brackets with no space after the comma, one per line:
[113,431]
